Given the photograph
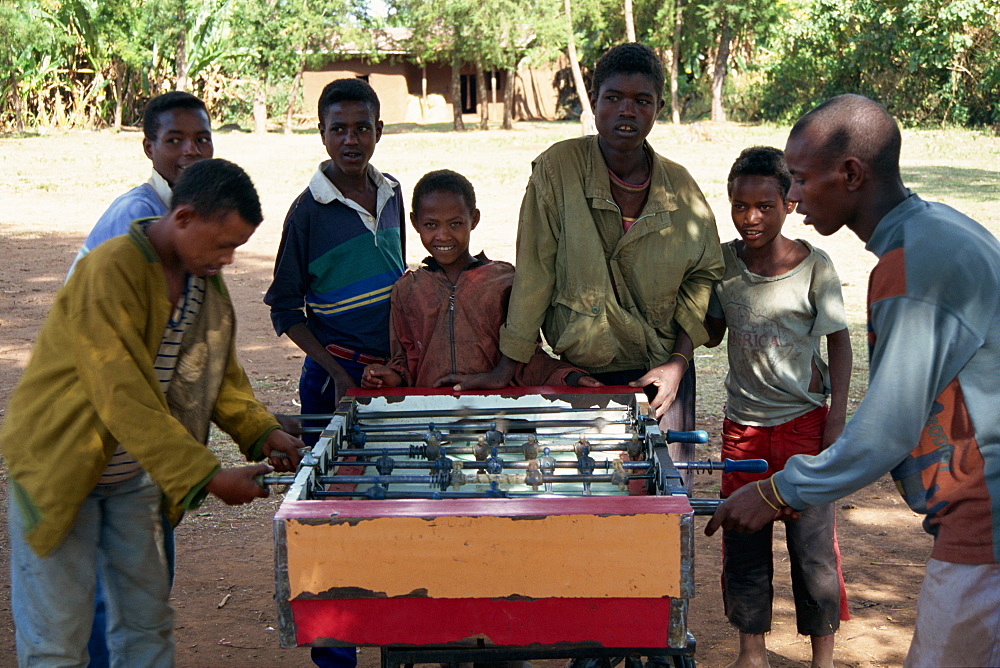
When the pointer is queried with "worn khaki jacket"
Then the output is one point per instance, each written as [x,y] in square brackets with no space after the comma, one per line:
[572,254]
[90,384]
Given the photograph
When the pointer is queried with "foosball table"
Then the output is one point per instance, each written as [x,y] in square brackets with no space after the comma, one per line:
[526,523]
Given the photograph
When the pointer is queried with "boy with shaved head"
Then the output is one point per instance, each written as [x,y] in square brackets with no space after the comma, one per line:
[930,415]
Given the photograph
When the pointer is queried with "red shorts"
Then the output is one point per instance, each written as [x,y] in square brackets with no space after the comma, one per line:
[801,436]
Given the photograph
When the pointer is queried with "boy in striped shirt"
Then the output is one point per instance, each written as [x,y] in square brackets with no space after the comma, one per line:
[138,356]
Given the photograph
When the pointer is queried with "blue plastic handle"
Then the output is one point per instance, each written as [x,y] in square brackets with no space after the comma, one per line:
[699,436]
[744,466]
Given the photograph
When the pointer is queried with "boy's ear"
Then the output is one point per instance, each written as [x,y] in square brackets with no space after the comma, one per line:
[475,219]
[853,173]
[378,130]
[147,147]
[184,215]
[413,219]
[789,206]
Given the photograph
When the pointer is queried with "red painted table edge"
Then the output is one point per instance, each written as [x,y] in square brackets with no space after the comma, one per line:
[607,622]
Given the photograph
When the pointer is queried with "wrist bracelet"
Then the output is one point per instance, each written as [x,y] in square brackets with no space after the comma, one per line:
[687,361]
[776,495]
[767,500]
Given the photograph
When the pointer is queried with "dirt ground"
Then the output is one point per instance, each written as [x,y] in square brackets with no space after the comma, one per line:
[223,594]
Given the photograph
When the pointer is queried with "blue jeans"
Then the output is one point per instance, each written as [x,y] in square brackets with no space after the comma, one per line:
[118,533]
[97,645]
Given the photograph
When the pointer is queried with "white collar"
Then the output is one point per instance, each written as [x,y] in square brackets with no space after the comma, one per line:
[161,187]
[324,191]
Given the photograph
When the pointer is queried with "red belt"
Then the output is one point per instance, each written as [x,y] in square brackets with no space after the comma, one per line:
[343,353]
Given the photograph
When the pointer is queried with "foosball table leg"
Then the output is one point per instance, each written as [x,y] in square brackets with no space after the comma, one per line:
[676,659]
[387,659]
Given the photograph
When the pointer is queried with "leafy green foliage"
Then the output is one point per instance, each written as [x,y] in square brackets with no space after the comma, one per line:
[927,60]
[95,62]
[497,34]
[28,38]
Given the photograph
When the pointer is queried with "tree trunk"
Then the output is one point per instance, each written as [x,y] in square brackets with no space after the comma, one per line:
[484,100]
[508,99]
[16,104]
[117,121]
[719,72]
[58,117]
[675,63]
[292,99]
[629,22]
[588,127]
[182,63]
[84,110]
[118,87]
[423,91]
[456,92]
[260,107]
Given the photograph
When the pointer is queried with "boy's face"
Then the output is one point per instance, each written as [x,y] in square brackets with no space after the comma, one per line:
[184,137]
[758,209]
[445,225]
[816,185]
[349,131]
[625,109]
[204,245]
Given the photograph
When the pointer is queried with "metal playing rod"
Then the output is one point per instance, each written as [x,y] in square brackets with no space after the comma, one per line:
[728,465]
[475,412]
[481,463]
[435,479]
[457,413]
[480,422]
[466,450]
[570,437]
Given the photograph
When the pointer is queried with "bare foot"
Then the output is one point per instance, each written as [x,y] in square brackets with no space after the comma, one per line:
[753,652]
[822,651]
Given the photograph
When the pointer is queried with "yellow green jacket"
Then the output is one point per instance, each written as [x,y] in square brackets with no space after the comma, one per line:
[90,384]
[571,246]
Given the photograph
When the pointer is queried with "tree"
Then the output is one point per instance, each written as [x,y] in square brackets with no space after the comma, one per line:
[927,61]
[456,78]
[321,26]
[436,35]
[523,34]
[720,67]
[489,34]
[675,63]
[90,63]
[705,34]
[27,43]
[267,49]
[588,126]
[629,22]
[105,43]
